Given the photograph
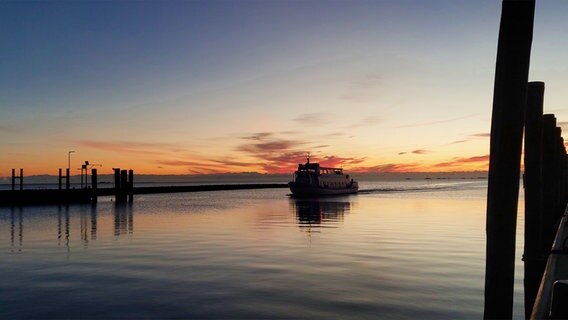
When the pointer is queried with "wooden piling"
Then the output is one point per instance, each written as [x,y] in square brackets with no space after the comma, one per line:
[533,165]
[549,184]
[94,185]
[130,185]
[13,179]
[532,256]
[67,179]
[123,185]
[509,99]
[116,179]
[21,179]
[60,178]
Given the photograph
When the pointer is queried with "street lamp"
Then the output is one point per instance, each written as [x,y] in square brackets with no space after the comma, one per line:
[69,158]
[88,166]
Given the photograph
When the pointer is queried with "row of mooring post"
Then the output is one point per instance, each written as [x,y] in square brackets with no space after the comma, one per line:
[20,177]
[545,182]
[124,185]
[554,181]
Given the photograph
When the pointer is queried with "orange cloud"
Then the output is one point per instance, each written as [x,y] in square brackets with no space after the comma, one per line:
[417,151]
[458,141]
[388,167]
[478,161]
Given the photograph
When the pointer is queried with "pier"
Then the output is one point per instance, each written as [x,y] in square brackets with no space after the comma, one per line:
[123,190]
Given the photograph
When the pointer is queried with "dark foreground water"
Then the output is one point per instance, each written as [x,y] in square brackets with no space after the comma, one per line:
[399,250]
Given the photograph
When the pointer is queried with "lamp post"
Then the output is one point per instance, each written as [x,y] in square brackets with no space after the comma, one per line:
[68,170]
[69,158]
[87,168]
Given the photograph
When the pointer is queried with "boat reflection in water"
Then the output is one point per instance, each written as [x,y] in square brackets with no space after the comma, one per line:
[320,212]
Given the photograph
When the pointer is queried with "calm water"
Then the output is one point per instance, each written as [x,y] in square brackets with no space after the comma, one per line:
[399,250]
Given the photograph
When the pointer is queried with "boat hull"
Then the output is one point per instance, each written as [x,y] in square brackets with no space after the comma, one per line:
[303,190]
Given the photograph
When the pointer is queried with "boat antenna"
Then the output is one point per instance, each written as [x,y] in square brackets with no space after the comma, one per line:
[308,158]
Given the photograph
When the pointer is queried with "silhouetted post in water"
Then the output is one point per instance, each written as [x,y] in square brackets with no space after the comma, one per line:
[509,99]
[117,185]
[130,185]
[14,177]
[123,185]
[67,180]
[94,186]
[116,179]
[60,178]
[549,184]
[534,259]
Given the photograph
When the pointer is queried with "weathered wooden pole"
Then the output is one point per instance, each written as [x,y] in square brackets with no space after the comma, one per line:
[509,99]
[13,179]
[21,179]
[532,256]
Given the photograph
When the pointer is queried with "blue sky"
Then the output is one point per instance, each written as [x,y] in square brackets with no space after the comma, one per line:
[170,86]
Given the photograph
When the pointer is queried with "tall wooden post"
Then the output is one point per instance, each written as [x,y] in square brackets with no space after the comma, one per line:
[130,185]
[60,179]
[117,186]
[509,99]
[67,179]
[21,179]
[549,184]
[532,256]
[94,185]
[123,185]
[13,179]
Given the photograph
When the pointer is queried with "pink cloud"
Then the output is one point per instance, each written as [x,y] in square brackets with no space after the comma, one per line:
[461,161]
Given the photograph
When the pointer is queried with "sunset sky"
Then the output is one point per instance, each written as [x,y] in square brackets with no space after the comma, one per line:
[184,87]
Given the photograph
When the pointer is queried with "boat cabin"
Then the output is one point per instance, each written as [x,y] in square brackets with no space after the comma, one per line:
[314,174]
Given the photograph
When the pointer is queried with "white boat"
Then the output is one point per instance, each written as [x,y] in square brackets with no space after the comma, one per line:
[311,179]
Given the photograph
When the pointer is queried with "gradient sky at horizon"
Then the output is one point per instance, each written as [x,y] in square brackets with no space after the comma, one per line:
[182,87]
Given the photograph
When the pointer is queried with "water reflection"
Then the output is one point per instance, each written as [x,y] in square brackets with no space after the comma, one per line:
[316,212]
[65,220]
[19,217]
[123,219]
[63,210]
